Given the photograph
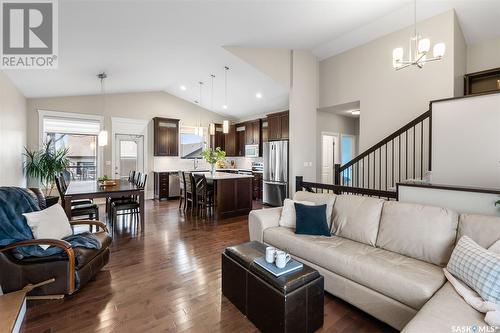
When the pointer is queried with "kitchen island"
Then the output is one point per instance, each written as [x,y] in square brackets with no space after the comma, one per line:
[232,193]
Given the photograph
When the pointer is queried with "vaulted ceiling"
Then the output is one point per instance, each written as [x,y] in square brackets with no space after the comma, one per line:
[162,45]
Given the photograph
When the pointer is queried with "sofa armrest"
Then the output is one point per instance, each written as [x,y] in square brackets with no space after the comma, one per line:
[52,242]
[99,224]
[260,220]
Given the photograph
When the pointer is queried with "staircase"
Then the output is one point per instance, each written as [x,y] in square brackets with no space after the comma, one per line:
[403,155]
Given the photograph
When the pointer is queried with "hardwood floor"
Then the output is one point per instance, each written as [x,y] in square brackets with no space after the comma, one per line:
[169,280]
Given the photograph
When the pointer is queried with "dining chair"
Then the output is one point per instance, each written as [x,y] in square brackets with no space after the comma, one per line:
[182,190]
[189,191]
[78,209]
[132,179]
[131,176]
[204,195]
[128,207]
[64,187]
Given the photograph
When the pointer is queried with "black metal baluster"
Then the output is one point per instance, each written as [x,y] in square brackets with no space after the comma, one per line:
[422,150]
[414,150]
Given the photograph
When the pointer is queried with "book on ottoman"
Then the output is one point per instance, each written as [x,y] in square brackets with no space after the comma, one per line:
[291,266]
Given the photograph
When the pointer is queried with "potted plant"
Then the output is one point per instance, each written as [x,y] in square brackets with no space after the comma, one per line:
[212,156]
[44,165]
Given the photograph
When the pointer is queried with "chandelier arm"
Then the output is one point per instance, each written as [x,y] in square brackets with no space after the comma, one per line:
[404,66]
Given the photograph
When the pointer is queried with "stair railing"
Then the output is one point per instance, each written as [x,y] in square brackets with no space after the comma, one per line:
[403,155]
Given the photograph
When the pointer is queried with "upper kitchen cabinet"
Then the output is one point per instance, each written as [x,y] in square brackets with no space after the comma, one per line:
[264,133]
[253,132]
[230,141]
[240,139]
[217,140]
[166,136]
[277,126]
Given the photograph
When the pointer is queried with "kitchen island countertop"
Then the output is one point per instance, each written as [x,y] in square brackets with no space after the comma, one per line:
[222,175]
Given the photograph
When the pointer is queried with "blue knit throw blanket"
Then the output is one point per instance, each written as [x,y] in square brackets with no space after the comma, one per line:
[15,201]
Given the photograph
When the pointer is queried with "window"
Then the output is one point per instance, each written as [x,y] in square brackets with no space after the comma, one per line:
[192,141]
[80,137]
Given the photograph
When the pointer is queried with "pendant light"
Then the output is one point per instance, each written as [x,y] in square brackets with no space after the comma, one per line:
[225,123]
[199,130]
[211,127]
[102,138]
[418,51]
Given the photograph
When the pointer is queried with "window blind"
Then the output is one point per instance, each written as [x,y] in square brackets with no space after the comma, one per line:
[71,125]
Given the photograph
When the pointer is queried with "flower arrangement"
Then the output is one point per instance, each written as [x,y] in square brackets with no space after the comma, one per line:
[212,156]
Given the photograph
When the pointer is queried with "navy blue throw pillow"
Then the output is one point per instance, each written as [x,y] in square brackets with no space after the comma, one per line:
[311,220]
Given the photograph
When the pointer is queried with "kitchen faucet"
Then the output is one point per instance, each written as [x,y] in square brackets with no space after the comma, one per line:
[195,163]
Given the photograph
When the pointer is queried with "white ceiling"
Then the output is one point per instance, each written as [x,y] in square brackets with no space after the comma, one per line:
[160,45]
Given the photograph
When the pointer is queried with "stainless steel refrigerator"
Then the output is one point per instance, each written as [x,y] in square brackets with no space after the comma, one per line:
[275,172]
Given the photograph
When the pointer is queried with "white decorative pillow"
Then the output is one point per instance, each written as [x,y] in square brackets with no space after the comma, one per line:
[288,216]
[327,199]
[50,223]
[477,267]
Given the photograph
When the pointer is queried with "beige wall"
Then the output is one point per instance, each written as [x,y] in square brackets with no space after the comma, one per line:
[483,55]
[459,58]
[303,110]
[333,123]
[12,133]
[132,105]
[389,98]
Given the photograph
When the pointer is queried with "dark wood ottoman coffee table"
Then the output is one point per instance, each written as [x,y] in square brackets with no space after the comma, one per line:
[290,303]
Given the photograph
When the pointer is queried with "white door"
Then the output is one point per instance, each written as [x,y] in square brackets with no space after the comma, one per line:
[129,150]
[329,156]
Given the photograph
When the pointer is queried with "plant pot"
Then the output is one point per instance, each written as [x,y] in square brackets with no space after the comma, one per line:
[51,200]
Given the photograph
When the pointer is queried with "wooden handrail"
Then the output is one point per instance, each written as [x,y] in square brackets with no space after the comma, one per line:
[339,189]
[388,139]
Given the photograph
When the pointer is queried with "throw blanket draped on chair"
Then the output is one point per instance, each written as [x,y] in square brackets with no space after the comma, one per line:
[15,201]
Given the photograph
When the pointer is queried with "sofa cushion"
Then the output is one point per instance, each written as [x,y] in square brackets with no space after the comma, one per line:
[357,218]
[409,281]
[288,215]
[477,267]
[445,310]
[482,229]
[421,232]
[327,199]
[311,220]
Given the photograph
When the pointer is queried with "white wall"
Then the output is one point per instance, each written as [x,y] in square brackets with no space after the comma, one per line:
[483,55]
[389,98]
[12,133]
[459,201]
[132,105]
[459,59]
[466,141]
[303,112]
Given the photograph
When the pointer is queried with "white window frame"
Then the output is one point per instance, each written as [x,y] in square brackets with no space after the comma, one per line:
[59,114]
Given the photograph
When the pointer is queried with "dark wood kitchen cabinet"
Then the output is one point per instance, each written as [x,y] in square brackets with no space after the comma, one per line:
[264,132]
[253,132]
[240,139]
[230,141]
[217,140]
[166,185]
[257,186]
[166,136]
[278,126]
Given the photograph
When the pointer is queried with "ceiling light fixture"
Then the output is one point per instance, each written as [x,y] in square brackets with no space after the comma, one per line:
[183,88]
[258,95]
[102,138]
[418,50]
[211,126]
[225,126]
[225,87]
[198,130]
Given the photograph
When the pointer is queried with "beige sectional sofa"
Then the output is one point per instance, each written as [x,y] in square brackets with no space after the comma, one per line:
[386,257]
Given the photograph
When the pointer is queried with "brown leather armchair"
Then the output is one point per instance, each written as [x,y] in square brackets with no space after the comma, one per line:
[71,269]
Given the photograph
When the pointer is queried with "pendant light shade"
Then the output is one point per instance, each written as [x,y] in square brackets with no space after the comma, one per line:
[102,138]
[225,126]
[211,128]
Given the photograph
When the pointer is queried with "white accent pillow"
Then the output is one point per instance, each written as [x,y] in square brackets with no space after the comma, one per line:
[288,216]
[327,199]
[51,223]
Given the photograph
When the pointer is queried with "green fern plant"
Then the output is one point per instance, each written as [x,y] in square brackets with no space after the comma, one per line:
[44,164]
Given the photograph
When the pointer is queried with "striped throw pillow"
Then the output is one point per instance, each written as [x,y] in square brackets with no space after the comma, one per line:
[477,267]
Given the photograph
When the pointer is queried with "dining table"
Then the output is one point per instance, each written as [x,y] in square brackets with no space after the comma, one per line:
[93,189]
